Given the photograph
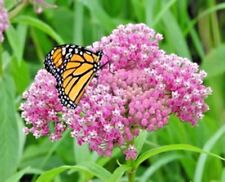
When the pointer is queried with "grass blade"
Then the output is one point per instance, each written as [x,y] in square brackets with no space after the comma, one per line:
[172,147]
[9,136]
[140,140]
[218,7]
[202,159]
[100,15]
[157,165]
[27,20]
[89,167]
[14,42]
[174,35]
[118,173]
[78,22]
[163,11]
[17,176]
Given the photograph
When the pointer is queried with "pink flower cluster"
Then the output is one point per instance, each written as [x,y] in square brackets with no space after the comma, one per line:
[146,86]
[4,20]
[42,107]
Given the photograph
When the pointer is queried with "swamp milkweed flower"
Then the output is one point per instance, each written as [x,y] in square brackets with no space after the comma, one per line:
[4,20]
[146,86]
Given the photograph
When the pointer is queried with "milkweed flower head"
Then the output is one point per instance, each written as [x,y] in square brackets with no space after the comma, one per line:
[42,107]
[4,20]
[139,90]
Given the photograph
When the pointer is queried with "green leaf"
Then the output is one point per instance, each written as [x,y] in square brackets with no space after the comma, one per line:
[223,175]
[118,173]
[78,22]
[150,7]
[67,19]
[16,38]
[14,42]
[53,149]
[84,150]
[203,14]
[31,21]
[100,15]
[207,147]
[164,9]
[9,137]
[22,34]
[172,147]
[174,35]
[21,137]
[10,3]
[17,176]
[138,9]
[140,140]
[157,165]
[89,167]
[21,80]
[214,63]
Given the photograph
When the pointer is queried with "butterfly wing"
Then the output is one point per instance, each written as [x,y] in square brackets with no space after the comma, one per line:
[73,67]
[75,78]
[55,60]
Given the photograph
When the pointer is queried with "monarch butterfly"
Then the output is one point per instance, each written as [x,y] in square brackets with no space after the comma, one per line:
[73,67]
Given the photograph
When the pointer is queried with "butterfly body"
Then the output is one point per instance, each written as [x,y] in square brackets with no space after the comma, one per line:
[73,67]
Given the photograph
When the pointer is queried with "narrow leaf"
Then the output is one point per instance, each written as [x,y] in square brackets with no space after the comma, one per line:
[164,9]
[140,140]
[27,20]
[89,167]
[202,158]
[78,22]
[157,165]
[84,150]
[17,176]
[174,34]
[14,42]
[214,63]
[118,173]
[101,16]
[9,137]
[172,147]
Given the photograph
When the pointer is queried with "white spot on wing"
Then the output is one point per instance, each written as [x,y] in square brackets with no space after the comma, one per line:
[63,51]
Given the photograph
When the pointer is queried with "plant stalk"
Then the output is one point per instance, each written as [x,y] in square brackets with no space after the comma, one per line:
[131,175]
[132,172]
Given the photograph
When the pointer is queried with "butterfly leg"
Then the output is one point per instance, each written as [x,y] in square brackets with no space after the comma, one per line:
[110,66]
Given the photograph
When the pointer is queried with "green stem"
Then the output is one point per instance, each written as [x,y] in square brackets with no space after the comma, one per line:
[18,9]
[132,172]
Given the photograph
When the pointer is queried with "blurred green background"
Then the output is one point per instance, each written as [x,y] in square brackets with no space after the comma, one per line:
[192,28]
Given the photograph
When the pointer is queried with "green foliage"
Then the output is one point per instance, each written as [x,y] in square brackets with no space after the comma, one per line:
[214,63]
[193,29]
[9,129]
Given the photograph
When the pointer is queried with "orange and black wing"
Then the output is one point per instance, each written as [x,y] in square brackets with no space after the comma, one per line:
[74,73]
[55,60]
[74,79]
